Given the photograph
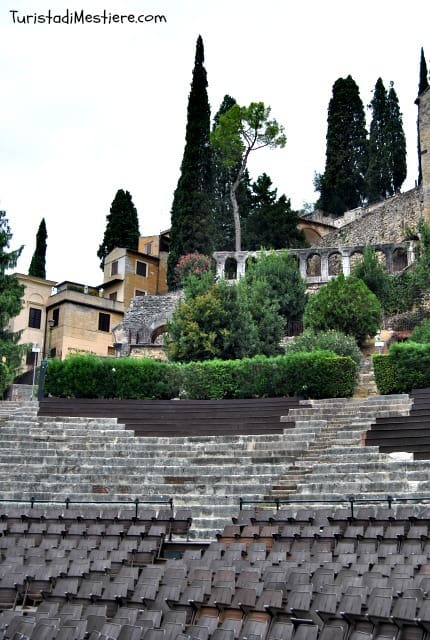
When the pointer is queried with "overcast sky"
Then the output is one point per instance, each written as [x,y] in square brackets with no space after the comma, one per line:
[88,109]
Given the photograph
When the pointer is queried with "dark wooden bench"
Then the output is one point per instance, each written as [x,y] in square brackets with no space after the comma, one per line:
[167,418]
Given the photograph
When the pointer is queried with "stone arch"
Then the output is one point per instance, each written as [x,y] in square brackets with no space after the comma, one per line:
[382,258]
[157,334]
[335,264]
[400,259]
[36,298]
[313,265]
[355,258]
[311,234]
[230,268]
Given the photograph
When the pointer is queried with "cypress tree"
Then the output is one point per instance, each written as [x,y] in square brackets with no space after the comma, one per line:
[378,179]
[192,214]
[122,228]
[396,141]
[422,86]
[341,186]
[38,261]
[424,83]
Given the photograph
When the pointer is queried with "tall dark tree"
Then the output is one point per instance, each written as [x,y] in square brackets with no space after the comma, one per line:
[378,179]
[223,178]
[38,262]
[387,145]
[271,223]
[396,141]
[341,186]
[422,86]
[11,293]
[192,209]
[122,228]
[424,82]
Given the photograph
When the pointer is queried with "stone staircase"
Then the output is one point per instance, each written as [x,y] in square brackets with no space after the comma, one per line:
[366,385]
[337,464]
[319,454]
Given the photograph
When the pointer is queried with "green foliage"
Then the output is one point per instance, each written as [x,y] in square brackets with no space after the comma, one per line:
[406,367]
[271,222]
[283,280]
[11,293]
[422,332]
[346,305]
[423,83]
[239,131]
[341,186]
[374,275]
[333,341]
[386,171]
[92,377]
[4,377]
[318,375]
[38,261]
[192,208]
[386,377]
[122,228]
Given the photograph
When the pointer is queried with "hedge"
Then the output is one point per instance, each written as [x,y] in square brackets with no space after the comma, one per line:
[406,367]
[319,374]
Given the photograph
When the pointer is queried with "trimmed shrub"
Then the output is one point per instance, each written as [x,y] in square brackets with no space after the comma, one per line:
[386,375]
[4,378]
[92,377]
[346,305]
[407,367]
[422,332]
[334,341]
[319,374]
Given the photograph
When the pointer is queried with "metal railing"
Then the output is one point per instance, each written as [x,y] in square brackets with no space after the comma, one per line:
[351,500]
[69,501]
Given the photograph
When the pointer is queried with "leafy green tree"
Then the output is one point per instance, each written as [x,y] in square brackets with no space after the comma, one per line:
[396,142]
[373,274]
[11,293]
[240,131]
[38,261]
[271,222]
[285,286]
[192,209]
[223,177]
[421,333]
[346,305]
[122,228]
[334,341]
[341,186]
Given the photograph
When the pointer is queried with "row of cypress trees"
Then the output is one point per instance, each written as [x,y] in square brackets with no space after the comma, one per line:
[360,167]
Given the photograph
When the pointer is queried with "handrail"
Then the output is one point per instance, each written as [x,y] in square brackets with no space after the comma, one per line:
[68,501]
[349,499]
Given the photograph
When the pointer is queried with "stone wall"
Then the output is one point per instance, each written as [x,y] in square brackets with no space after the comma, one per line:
[388,221]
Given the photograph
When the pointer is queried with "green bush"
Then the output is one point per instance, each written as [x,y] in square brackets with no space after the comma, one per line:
[92,377]
[4,378]
[386,377]
[319,374]
[334,341]
[346,305]
[406,367]
[422,332]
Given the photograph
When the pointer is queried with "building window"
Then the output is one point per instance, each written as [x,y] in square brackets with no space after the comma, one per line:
[31,358]
[104,322]
[34,318]
[53,352]
[56,317]
[113,295]
[141,268]
[139,292]
[148,248]
[114,268]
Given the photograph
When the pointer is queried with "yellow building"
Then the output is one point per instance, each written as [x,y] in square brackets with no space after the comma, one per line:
[69,317]
[31,321]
